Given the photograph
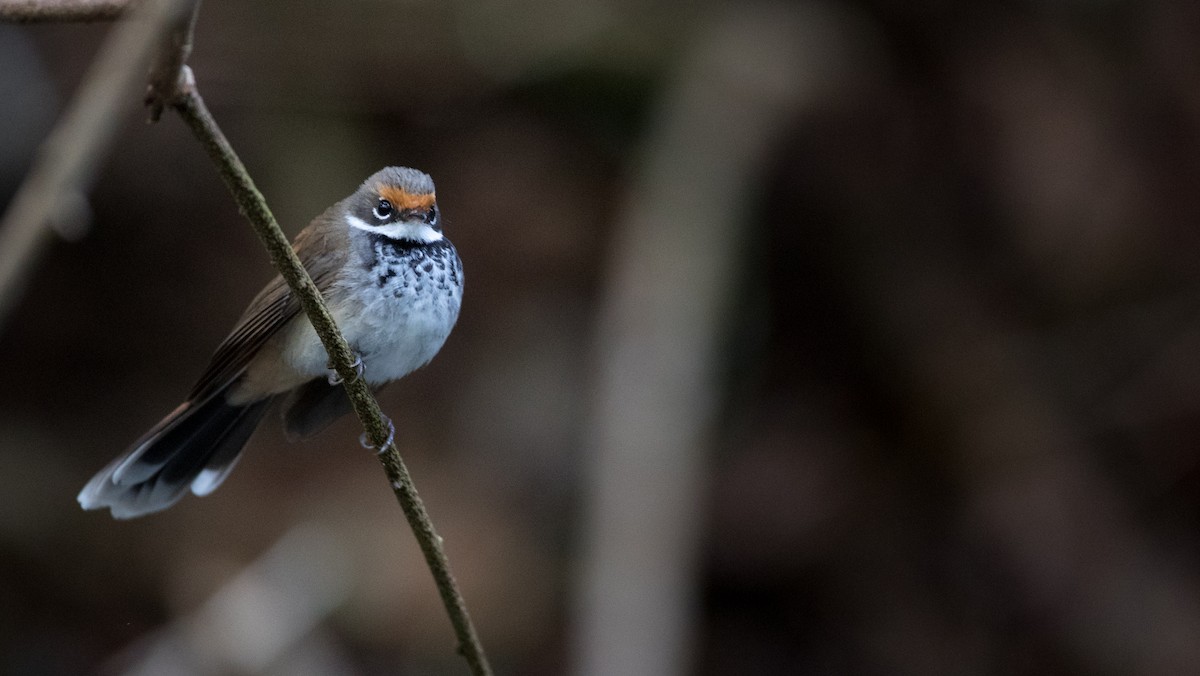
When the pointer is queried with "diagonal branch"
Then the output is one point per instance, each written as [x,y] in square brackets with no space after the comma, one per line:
[190,106]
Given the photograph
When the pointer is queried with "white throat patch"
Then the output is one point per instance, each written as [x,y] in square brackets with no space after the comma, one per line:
[416,232]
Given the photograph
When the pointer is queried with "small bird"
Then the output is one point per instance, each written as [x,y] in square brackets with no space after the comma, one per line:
[392,281]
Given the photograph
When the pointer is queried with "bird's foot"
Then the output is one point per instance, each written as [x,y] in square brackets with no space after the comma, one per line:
[335,378]
[366,442]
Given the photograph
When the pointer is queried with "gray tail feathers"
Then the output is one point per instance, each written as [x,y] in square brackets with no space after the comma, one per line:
[194,447]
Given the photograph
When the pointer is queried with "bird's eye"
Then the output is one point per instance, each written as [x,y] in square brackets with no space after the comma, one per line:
[431,215]
[383,210]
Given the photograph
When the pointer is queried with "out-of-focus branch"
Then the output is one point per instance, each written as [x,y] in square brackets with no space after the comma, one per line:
[670,278]
[62,172]
[40,11]
[261,620]
[191,107]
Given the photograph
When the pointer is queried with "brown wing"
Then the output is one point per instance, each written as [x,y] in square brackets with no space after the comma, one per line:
[322,249]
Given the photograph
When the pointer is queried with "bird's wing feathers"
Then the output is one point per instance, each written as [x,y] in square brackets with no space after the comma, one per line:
[272,309]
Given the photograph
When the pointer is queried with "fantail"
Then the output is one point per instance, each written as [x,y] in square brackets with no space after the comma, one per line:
[393,283]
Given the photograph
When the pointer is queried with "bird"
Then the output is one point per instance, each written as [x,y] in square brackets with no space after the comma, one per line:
[393,283]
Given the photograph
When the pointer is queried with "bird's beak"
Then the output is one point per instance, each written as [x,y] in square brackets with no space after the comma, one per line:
[419,215]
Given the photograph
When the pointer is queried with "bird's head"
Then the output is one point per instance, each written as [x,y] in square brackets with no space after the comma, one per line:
[398,203]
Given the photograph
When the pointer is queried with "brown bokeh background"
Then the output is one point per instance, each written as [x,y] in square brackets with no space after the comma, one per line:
[954,374]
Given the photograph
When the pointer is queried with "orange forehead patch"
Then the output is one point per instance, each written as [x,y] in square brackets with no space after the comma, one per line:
[402,199]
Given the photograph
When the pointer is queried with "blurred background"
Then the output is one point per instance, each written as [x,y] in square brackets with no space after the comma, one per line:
[798,338]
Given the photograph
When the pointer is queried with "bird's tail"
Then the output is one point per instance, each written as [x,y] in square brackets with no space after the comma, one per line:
[194,447]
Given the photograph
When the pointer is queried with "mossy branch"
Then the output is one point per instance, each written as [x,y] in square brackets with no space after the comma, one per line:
[191,108]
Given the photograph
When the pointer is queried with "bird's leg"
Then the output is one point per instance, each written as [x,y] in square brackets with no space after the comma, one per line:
[366,443]
[335,378]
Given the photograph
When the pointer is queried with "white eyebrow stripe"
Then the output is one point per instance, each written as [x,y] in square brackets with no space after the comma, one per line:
[417,232]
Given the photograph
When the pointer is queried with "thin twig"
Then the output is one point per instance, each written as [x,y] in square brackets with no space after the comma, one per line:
[191,107]
[43,11]
[64,167]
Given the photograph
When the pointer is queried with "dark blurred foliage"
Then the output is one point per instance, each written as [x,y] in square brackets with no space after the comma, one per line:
[960,385]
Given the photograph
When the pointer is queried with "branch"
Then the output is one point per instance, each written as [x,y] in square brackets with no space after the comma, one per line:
[64,167]
[40,11]
[190,106]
